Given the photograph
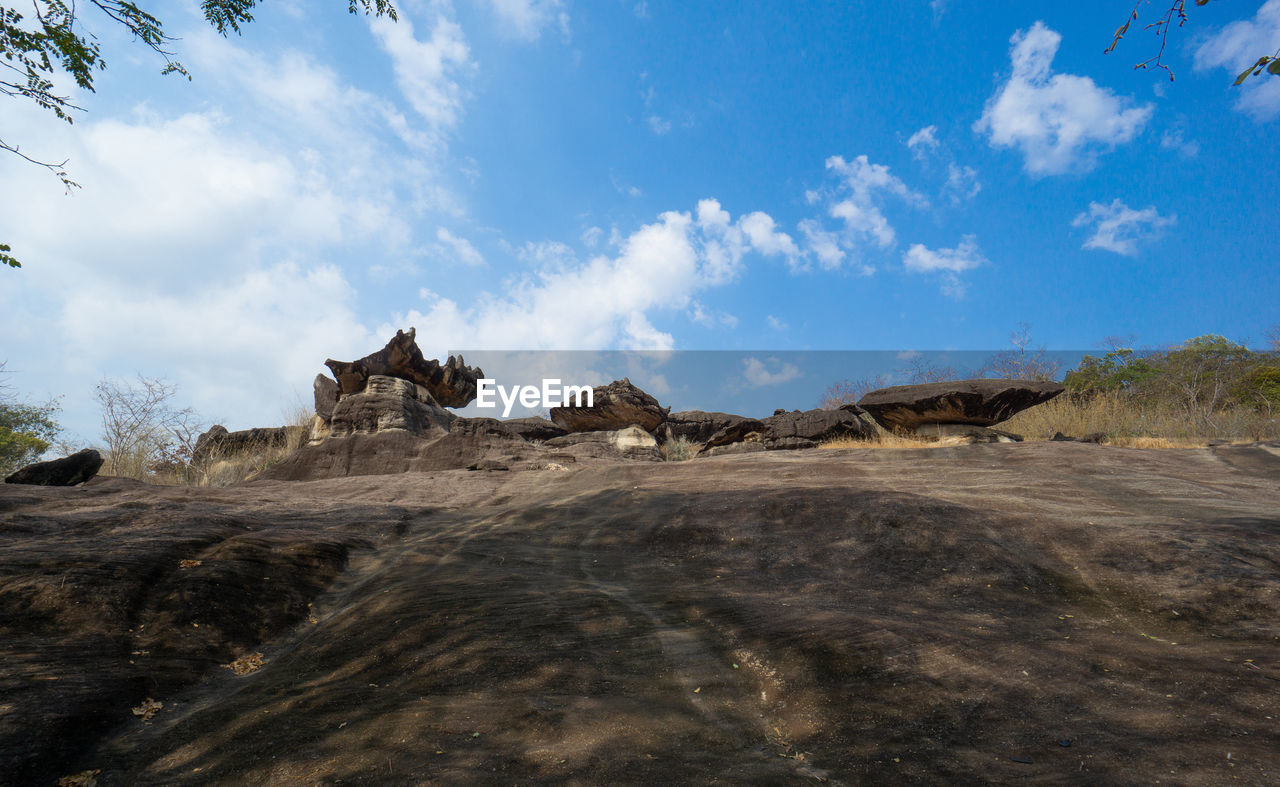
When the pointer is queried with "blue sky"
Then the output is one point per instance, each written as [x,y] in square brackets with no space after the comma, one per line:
[543,174]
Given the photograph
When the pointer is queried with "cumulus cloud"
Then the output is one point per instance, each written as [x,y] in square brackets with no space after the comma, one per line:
[427,70]
[1059,121]
[758,374]
[724,241]
[658,268]
[1175,138]
[1121,229]
[824,245]
[864,185]
[1239,45]
[924,140]
[948,263]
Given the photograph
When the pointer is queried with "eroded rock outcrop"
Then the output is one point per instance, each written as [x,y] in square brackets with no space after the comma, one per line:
[388,404]
[530,429]
[816,426]
[631,442]
[67,471]
[451,384]
[326,395]
[219,441]
[614,406]
[979,402]
[698,426]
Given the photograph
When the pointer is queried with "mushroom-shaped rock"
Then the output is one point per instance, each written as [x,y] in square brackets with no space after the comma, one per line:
[980,402]
[614,406]
[67,471]
[451,384]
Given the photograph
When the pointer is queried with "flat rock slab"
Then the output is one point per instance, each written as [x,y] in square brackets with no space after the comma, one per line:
[853,616]
[980,402]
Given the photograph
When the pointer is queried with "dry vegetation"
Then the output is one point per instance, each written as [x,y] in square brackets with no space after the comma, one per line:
[1141,424]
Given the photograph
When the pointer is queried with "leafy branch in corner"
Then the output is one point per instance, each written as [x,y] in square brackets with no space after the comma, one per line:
[1177,13]
[33,51]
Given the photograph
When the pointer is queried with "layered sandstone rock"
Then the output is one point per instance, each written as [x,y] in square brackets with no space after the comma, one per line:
[451,384]
[614,406]
[978,402]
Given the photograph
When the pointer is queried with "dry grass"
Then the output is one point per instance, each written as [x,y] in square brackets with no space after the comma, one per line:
[888,440]
[1140,424]
[679,449]
[1122,420]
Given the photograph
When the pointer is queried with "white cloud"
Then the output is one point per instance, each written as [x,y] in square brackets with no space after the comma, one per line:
[1239,45]
[824,245]
[939,7]
[724,242]
[924,140]
[921,259]
[962,183]
[758,374]
[527,18]
[775,323]
[427,71]
[605,301]
[948,263]
[1058,121]
[1119,228]
[863,183]
[460,249]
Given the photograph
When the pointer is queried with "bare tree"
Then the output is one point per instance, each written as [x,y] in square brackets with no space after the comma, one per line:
[141,427]
[849,392]
[1021,363]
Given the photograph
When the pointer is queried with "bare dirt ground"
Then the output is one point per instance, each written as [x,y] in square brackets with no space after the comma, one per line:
[1032,613]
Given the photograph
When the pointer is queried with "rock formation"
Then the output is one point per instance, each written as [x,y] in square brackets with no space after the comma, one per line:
[326,395]
[388,404]
[526,428]
[452,384]
[817,425]
[977,402]
[736,432]
[967,432]
[632,442]
[220,441]
[67,471]
[697,426]
[614,406]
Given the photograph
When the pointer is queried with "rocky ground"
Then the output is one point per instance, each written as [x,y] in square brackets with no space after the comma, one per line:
[1041,612]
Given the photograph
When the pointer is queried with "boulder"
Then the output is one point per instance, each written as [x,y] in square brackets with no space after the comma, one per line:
[967,432]
[818,425]
[219,441]
[452,384]
[67,471]
[632,442]
[388,404]
[736,432]
[326,395]
[697,426]
[979,402]
[614,406]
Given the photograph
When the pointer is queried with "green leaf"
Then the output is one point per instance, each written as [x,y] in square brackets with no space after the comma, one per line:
[1243,76]
[1274,68]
